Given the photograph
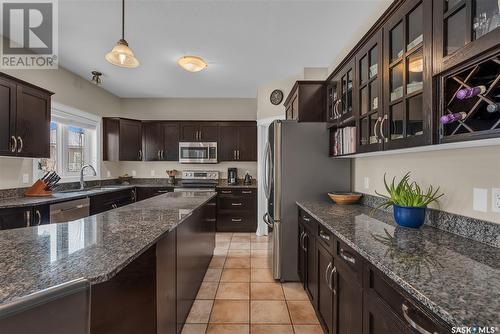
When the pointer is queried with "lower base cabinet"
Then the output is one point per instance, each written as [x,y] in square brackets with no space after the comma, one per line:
[326,294]
[112,200]
[237,209]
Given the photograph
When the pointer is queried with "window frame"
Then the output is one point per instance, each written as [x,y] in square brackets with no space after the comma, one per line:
[80,118]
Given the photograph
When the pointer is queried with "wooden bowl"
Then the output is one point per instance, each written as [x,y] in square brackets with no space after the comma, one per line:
[345,198]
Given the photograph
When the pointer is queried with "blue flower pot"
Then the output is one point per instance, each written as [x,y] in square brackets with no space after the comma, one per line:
[408,216]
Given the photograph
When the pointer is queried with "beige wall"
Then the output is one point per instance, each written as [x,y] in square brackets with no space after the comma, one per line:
[456,171]
[265,108]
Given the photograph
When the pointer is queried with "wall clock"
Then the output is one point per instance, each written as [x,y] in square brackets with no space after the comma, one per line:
[276,97]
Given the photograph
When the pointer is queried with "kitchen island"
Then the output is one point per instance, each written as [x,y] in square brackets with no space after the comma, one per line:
[145,260]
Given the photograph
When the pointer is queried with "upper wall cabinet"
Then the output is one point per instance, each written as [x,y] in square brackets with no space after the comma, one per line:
[340,95]
[464,29]
[407,119]
[160,141]
[237,141]
[25,115]
[306,102]
[199,131]
[122,139]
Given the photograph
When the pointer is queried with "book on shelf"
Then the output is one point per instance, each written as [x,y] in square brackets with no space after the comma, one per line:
[345,141]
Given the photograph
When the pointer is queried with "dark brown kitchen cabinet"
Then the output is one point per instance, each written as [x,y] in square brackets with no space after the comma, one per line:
[160,141]
[236,209]
[325,274]
[40,215]
[15,218]
[237,141]
[122,139]
[407,72]
[25,111]
[199,131]
[112,200]
[463,30]
[306,102]
[148,192]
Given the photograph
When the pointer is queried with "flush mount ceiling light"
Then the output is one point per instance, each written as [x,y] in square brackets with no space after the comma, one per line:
[192,63]
[96,78]
[122,55]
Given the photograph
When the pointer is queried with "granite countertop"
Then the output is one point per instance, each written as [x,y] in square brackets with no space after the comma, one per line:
[224,184]
[95,248]
[456,278]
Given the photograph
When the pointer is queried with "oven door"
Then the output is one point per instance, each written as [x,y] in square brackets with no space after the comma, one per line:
[201,153]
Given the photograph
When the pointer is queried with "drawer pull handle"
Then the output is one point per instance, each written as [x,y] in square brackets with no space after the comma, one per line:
[246,192]
[238,220]
[412,323]
[330,283]
[303,241]
[211,220]
[163,191]
[211,204]
[236,204]
[226,191]
[38,217]
[346,256]
[21,144]
[13,145]
[306,219]
[326,273]
[323,235]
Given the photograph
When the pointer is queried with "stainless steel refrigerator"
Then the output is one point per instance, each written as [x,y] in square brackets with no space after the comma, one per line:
[297,167]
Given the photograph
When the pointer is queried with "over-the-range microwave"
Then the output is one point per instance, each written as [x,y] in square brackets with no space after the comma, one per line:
[198,152]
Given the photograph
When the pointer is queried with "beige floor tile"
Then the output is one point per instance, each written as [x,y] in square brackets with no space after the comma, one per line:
[239,252]
[302,313]
[240,238]
[261,262]
[194,329]
[220,251]
[223,237]
[294,291]
[200,312]
[207,290]
[261,276]
[242,234]
[233,291]
[266,291]
[237,262]
[308,329]
[212,275]
[271,329]
[228,329]
[260,252]
[268,312]
[239,245]
[230,311]
[217,261]
[259,238]
[260,245]
[235,275]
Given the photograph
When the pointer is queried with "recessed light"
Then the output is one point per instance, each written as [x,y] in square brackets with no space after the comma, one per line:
[192,63]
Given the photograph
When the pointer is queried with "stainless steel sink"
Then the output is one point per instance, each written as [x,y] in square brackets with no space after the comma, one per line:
[88,189]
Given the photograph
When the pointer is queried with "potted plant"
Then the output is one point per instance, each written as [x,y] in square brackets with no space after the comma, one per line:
[409,201]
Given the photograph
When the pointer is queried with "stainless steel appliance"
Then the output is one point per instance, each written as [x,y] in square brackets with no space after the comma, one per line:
[198,180]
[232,175]
[198,152]
[70,210]
[297,167]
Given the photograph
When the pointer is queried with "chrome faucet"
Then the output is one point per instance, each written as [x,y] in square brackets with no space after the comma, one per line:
[82,183]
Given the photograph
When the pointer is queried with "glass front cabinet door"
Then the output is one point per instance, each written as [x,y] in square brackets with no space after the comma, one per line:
[406,120]
[369,95]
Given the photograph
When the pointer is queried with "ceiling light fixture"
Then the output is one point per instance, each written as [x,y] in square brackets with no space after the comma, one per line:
[192,63]
[96,78]
[122,55]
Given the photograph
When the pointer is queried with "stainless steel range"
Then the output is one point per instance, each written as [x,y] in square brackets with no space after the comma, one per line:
[199,180]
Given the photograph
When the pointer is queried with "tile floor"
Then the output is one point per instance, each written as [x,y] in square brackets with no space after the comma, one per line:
[239,294]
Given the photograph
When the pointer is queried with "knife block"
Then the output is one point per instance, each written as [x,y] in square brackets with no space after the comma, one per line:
[38,190]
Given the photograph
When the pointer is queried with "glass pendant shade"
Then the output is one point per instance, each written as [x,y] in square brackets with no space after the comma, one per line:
[121,55]
[192,63]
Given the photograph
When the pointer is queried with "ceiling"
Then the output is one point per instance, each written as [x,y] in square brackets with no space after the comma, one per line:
[246,43]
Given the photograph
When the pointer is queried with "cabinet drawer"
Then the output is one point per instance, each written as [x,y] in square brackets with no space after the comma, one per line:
[309,222]
[325,237]
[236,222]
[349,259]
[406,309]
[236,203]
[247,192]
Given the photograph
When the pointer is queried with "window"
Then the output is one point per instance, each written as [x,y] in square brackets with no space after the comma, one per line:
[73,143]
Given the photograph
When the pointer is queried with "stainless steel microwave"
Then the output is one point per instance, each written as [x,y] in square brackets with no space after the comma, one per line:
[198,153]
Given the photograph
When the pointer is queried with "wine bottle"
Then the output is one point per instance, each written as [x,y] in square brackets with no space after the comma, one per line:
[467,93]
[450,118]
[491,108]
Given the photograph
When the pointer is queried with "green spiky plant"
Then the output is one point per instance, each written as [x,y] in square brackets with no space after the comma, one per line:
[407,193]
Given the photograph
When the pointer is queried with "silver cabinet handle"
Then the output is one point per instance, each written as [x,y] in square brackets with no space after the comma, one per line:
[326,273]
[237,204]
[246,192]
[375,129]
[134,195]
[201,135]
[412,323]
[330,284]
[163,191]
[38,217]
[234,154]
[210,220]
[114,206]
[140,154]
[346,256]
[162,154]
[159,155]
[266,220]
[303,241]
[211,204]
[13,144]
[238,154]
[382,129]
[27,216]
[21,144]
[336,109]
[306,219]
[226,192]
[236,220]
[323,235]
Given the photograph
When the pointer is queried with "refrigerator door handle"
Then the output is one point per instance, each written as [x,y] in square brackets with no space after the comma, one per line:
[267,170]
[266,220]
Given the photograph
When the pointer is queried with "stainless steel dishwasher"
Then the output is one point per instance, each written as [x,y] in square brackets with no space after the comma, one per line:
[70,210]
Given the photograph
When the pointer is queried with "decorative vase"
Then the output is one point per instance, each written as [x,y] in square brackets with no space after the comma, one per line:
[408,216]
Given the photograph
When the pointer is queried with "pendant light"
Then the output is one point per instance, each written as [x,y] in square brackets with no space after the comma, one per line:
[122,55]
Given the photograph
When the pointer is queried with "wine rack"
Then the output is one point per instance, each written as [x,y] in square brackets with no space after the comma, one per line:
[476,120]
